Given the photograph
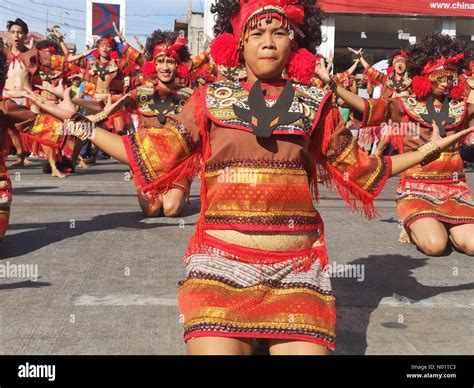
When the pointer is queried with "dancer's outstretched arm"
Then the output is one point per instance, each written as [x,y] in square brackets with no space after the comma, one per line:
[111,143]
[352,100]
[406,160]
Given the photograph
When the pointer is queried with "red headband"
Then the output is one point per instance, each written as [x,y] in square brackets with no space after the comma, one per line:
[248,8]
[51,49]
[108,40]
[403,55]
[170,49]
[442,63]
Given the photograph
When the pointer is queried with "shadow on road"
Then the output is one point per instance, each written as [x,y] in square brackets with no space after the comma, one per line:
[24,284]
[385,276]
[43,234]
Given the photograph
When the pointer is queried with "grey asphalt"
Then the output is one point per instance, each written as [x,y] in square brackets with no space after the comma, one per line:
[107,276]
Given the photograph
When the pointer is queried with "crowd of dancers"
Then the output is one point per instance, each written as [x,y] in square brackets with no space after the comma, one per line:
[260,103]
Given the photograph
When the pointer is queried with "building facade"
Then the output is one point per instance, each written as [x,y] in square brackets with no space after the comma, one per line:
[381,26]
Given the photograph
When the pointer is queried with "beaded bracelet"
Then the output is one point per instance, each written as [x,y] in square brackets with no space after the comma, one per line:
[99,117]
[430,151]
[331,85]
[80,127]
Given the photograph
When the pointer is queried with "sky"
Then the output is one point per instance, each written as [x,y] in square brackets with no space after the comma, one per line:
[142,17]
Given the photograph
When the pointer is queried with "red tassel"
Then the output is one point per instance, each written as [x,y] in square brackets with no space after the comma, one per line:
[457,92]
[389,70]
[225,50]
[421,86]
[148,69]
[183,70]
[301,66]
[114,55]
[355,197]
[96,54]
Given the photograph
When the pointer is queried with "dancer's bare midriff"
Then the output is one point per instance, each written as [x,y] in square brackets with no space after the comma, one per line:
[280,241]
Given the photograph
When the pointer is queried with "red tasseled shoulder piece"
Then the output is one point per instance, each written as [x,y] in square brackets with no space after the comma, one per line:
[355,197]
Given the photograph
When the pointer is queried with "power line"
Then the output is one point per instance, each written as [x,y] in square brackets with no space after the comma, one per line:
[75,20]
[67,24]
[128,14]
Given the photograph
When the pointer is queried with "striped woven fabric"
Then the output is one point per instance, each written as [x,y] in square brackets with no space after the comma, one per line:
[227,296]
[437,190]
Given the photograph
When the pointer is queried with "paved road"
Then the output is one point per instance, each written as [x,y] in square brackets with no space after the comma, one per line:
[107,277]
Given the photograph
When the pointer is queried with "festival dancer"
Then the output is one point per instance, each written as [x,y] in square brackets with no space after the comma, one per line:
[434,201]
[13,117]
[48,78]
[344,79]
[394,84]
[468,79]
[23,65]
[107,74]
[194,67]
[155,101]
[257,263]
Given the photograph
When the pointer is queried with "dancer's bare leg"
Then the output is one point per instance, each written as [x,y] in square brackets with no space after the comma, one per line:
[462,236]
[173,202]
[50,157]
[404,238]
[219,346]
[151,208]
[16,140]
[289,347]
[75,144]
[429,235]
[81,162]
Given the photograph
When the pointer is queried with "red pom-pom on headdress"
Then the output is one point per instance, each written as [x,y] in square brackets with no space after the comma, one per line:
[148,69]
[112,54]
[225,50]
[457,92]
[301,66]
[421,86]
[182,70]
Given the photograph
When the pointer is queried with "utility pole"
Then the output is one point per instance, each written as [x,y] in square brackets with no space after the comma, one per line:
[189,9]
[47,21]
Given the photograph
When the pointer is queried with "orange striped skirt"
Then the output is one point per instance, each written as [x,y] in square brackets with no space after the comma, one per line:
[448,202]
[232,291]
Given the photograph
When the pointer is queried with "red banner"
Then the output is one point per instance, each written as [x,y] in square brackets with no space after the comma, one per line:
[404,7]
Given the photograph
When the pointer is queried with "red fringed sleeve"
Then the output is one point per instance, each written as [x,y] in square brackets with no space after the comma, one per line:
[375,76]
[133,55]
[53,61]
[357,177]
[375,112]
[161,156]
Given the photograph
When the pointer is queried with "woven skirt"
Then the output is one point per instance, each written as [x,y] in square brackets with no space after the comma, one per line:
[450,203]
[231,291]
